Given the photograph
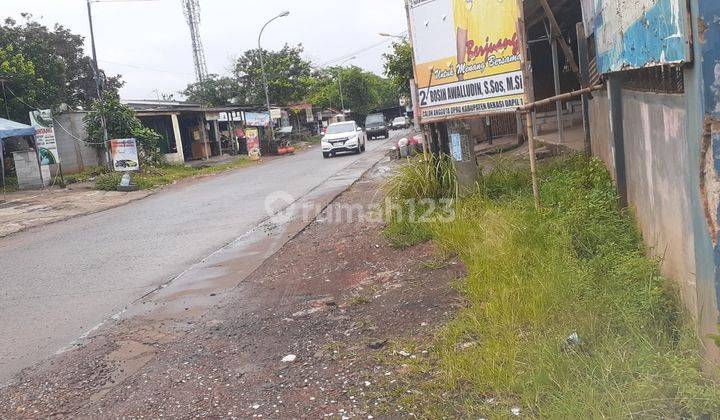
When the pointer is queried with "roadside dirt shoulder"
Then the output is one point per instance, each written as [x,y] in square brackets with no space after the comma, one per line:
[302,337]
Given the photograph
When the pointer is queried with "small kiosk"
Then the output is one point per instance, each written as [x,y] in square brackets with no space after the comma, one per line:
[18,141]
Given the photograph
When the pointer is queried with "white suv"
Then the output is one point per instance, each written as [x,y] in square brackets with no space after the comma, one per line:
[343,137]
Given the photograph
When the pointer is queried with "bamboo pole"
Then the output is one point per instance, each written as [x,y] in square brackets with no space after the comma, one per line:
[568,95]
[529,97]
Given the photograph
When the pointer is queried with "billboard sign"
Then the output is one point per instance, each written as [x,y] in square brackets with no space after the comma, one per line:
[235,116]
[42,121]
[124,155]
[257,119]
[467,57]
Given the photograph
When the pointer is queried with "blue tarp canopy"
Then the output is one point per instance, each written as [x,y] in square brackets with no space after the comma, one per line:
[14,129]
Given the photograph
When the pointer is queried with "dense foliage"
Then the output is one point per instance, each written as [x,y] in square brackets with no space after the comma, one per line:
[362,91]
[122,123]
[214,91]
[399,67]
[288,75]
[292,79]
[46,67]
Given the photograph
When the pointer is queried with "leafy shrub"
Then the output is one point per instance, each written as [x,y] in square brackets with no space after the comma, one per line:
[121,122]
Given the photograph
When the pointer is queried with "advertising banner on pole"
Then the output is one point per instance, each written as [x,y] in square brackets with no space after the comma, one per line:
[252,136]
[124,155]
[467,57]
[45,140]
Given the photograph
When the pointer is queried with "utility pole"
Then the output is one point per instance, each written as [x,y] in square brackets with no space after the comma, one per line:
[98,87]
[262,68]
[342,97]
[2,150]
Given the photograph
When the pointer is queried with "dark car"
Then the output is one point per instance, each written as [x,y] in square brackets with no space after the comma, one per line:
[125,163]
[376,126]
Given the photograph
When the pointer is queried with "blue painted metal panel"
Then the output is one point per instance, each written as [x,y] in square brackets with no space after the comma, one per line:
[710,39]
[632,34]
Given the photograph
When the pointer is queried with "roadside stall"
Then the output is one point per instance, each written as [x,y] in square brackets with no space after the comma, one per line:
[18,140]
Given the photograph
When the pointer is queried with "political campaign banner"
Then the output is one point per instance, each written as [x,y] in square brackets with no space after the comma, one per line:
[467,57]
[42,121]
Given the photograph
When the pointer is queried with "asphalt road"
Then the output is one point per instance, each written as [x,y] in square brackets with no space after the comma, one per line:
[60,281]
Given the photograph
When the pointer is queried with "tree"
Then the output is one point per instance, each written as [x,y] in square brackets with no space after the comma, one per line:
[399,67]
[21,82]
[122,123]
[214,91]
[362,91]
[59,62]
[289,76]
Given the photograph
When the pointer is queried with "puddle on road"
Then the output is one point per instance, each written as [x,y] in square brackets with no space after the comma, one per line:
[163,315]
[205,285]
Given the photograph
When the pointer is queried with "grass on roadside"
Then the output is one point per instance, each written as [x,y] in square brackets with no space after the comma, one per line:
[11,184]
[571,319]
[417,189]
[163,175]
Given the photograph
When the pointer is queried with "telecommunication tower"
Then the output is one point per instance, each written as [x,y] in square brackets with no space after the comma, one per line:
[191,8]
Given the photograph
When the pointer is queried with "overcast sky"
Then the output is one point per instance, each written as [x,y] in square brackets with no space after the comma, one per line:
[148,42]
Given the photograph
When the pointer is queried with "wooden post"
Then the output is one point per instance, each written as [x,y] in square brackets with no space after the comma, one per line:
[520,129]
[2,168]
[556,82]
[584,62]
[529,94]
[555,29]
[203,135]
[216,132]
[414,88]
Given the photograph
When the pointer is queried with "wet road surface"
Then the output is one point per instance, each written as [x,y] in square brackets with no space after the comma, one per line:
[62,281]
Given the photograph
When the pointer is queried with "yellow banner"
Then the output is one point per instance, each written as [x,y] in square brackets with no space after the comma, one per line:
[467,55]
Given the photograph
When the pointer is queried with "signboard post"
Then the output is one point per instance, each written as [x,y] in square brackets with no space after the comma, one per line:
[124,155]
[467,57]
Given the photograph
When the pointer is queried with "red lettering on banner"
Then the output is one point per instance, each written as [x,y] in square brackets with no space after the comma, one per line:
[475,51]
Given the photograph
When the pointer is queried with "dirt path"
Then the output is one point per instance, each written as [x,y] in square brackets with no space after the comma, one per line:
[337,297]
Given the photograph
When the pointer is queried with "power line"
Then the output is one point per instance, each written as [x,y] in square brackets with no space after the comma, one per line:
[361,51]
[135,66]
[122,1]
[55,120]
[366,49]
